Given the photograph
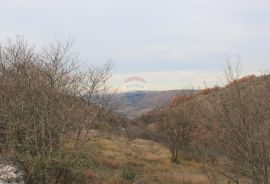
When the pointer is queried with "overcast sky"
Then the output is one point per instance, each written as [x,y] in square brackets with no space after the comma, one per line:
[170,43]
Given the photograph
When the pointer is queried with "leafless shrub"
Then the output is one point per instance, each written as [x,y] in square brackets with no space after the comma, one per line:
[177,124]
[239,132]
[44,96]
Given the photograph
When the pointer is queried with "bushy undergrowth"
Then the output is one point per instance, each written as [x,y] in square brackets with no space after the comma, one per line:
[44,98]
[129,174]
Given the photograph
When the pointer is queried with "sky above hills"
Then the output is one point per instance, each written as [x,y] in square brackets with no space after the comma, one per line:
[172,44]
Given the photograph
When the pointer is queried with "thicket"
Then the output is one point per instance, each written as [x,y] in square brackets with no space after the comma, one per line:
[46,97]
[229,128]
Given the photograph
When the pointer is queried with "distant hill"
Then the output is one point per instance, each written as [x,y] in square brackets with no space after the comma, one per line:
[134,104]
[147,124]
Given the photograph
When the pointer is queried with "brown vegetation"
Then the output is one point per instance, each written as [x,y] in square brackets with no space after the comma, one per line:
[239,132]
[231,138]
[49,108]
[241,80]
[208,91]
[178,125]
[42,99]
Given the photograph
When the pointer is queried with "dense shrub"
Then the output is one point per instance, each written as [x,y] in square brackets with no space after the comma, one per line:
[129,174]
[43,97]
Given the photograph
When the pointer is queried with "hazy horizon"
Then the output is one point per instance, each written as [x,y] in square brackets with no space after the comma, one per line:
[174,44]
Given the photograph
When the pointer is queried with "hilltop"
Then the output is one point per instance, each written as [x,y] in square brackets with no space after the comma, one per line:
[135,104]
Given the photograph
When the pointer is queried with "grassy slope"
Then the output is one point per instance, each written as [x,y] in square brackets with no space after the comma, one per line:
[150,161]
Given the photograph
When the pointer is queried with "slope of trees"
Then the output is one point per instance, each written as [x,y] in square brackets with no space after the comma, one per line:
[44,97]
[239,131]
[229,127]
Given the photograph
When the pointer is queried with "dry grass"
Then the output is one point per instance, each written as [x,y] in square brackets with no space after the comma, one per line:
[150,161]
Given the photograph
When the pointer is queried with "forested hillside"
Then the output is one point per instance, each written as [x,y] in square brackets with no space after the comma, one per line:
[225,128]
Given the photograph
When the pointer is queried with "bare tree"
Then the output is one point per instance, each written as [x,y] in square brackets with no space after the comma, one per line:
[239,131]
[177,124]
[98,100]
[43,97]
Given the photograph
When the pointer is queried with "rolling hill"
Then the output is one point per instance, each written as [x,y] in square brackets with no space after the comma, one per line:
[134,104]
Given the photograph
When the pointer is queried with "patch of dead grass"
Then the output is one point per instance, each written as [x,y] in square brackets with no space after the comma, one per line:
[150,160]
